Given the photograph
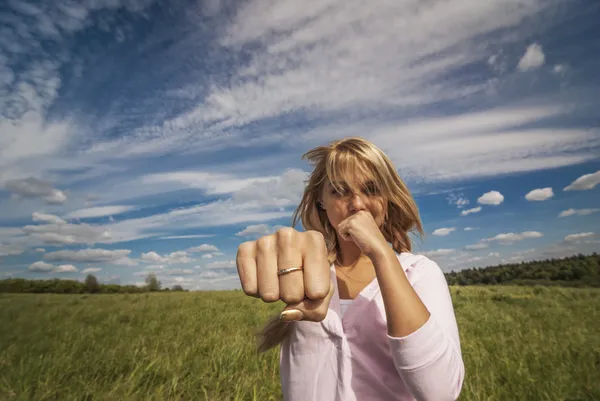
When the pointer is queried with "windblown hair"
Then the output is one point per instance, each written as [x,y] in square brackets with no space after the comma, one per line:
[339,161]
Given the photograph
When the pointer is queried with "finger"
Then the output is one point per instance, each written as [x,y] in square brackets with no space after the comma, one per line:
[316,266]
[291,285]
[343,230]
[266,268]
[309,309]
[246,267]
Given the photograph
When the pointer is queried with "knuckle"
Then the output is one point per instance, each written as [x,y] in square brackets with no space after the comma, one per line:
[317,293]
[269,296]
[265,242]
[286,232]
[245,248]
[293,298]
[315,237]
[250,291]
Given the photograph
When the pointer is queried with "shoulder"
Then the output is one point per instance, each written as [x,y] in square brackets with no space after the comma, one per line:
[419,266]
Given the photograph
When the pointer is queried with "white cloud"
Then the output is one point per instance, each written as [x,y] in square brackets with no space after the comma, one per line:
[90,270]
[210,274]
[443,231]
[8,250]
[470,228]
[469,211]
[579,236]
[559,69]
[578,212]
[438,252]
[216,214]
[332,69]
[47,218]
[172,258]
[41,267]
[187,236]
[203,248]
[481,145]
[125,261]
[494,255]
[491,198]
[507,238]
[258,230]
[56,197]
[497,62]
[66,233]
[42,250]
[459,200]
[88,255]
[207,256]
[585,182]
[277,191]
[222,264]
[98,211]
[32,187]
[532,59]
[175,272]
[65,269]
[540,194]
[480,245]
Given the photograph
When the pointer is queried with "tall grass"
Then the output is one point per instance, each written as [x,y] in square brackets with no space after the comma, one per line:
[519,343]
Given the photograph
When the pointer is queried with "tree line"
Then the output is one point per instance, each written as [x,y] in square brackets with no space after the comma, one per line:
[90,285]
[575,271]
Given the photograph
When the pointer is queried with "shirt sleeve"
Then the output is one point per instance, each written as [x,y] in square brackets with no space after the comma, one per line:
[429,360]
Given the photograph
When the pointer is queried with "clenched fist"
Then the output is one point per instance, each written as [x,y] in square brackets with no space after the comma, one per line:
[306,292]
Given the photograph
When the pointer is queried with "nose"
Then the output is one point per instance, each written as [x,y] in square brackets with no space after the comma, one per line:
[357,203]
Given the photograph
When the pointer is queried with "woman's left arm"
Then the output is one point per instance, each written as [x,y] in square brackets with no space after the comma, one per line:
[422,330]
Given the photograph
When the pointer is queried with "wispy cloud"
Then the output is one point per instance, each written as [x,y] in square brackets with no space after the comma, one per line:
[508,238]
[470,211]
[88,255]
[99,211]
[585,182]
[579,236]
[32,187]
[443,231]
[540,194]
[578,212]
[532,59]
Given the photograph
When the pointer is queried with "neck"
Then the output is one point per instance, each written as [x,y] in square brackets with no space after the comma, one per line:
[349,253]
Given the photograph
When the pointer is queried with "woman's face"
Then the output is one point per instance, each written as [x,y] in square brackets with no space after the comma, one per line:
[340,206]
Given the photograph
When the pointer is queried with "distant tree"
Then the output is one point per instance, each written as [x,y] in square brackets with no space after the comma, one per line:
[91,284]
[152,282]
[177,287]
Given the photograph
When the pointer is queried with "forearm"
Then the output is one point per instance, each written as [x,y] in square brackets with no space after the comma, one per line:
[422,332]
[405,312]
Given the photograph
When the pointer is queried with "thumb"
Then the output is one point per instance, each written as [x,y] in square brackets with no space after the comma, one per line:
[308,309]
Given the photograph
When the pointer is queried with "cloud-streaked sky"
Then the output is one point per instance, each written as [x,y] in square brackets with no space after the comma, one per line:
[141,136]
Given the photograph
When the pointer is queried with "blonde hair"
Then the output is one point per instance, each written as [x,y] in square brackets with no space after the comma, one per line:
[339,161]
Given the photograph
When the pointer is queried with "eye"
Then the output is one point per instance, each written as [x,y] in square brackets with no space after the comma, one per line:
[372,189]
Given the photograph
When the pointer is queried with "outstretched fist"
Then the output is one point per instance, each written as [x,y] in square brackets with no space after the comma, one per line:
[262,267]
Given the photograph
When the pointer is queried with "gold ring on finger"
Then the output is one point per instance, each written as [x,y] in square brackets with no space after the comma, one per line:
[291,269]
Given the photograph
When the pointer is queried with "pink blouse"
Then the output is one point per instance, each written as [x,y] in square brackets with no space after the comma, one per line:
[353,358]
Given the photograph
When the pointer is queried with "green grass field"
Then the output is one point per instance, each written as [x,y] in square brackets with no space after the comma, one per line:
[519,343]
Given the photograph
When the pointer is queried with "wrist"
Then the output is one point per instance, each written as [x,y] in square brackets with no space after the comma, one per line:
[382,253]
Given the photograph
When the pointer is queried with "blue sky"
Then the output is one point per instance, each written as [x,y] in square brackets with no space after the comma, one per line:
[138,136]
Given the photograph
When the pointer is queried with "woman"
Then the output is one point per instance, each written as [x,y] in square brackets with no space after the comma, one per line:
[365,320]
